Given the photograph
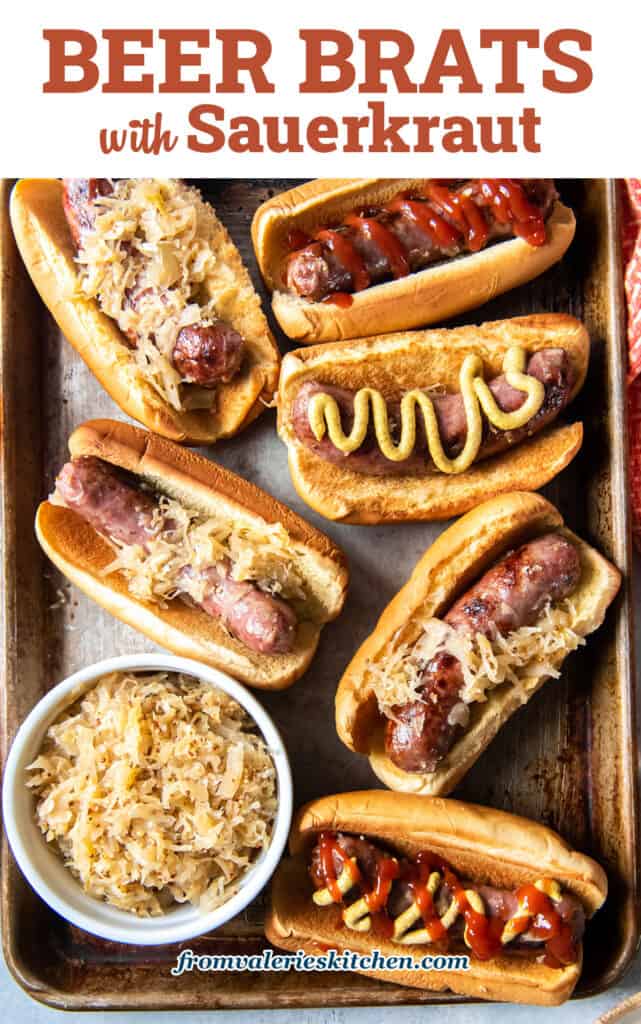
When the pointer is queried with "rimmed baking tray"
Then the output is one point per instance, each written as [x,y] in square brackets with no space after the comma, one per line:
[568,758]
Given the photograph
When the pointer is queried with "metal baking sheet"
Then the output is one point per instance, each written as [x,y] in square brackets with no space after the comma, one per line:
[567,759]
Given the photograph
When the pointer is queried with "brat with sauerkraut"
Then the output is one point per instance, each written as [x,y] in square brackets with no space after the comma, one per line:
[489,614]
[147,285]
[198,559]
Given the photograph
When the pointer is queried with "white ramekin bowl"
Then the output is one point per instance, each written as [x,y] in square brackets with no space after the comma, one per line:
[44,869]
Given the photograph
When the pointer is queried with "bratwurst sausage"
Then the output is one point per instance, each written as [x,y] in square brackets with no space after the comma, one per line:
[122,512]
[551,366]
[500,904]
[208,354]
[411,231]
[112,506]
[204,354]
[78,195]
[513,593]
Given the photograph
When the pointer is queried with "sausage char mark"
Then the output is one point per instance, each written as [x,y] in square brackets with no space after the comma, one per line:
[435,221]
[512,594]
[78,195]
[208,354]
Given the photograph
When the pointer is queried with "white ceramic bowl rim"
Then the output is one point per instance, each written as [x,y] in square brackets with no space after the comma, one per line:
[44,869]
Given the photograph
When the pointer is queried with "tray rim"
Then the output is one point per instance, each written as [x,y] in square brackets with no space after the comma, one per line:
[617,364]
[59,999]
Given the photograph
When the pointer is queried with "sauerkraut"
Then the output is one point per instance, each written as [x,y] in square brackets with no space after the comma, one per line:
[186,541]
[146,261]
[156,789]
[520,659]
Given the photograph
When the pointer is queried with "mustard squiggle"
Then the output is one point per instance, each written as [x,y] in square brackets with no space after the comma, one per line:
[324,414]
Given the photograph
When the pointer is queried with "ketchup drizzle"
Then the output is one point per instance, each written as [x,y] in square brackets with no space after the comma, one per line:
[347,254]
[428,219]
[386,241]
[483,932]
[547,924]
[297,239]
[342,299]
[449,217]
[463,211]
[510,205]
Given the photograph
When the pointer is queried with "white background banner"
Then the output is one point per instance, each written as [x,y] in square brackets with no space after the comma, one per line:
[212,132]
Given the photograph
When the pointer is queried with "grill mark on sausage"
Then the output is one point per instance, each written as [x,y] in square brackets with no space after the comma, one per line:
[78,195]
[513,593]
[315,271]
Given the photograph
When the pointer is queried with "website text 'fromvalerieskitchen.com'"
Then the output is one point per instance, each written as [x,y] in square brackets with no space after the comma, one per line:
[332,960]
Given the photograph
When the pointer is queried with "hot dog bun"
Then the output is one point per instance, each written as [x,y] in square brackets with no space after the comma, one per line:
[480,843]
[459,556]
[421,298]
[421,359]
[46,246]
[82,554]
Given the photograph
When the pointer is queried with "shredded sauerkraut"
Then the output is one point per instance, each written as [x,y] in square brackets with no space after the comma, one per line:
[190,540]
[156,789]
[145,261]
[521,659]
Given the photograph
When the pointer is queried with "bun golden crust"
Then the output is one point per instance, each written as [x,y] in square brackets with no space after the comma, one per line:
[459,556]
[489,846]
[82,554]
[46,246]
[421,298]
[397,362]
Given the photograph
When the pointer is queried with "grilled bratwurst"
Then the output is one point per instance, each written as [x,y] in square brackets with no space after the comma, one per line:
[551,366]
[206,354]
[125,514]
[412,231]
[513,593]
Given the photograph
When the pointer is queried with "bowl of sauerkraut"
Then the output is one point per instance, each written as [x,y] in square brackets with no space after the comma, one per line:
[147,799]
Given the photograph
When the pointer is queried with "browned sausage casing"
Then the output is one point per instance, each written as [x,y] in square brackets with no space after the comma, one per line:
[204,354]
[551,366]
[513,593]
[120,511]
[499,903]
[355,256]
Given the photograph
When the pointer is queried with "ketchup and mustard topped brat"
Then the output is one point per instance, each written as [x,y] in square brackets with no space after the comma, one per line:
[426,424]
[417,876]
[489,614]
[346,258]
[147,285]
[201,561]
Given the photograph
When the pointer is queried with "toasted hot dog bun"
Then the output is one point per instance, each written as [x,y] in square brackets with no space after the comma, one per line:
[421,359]
[82,554]
[421,298]
[46,246]
[454,561]
[485,845]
